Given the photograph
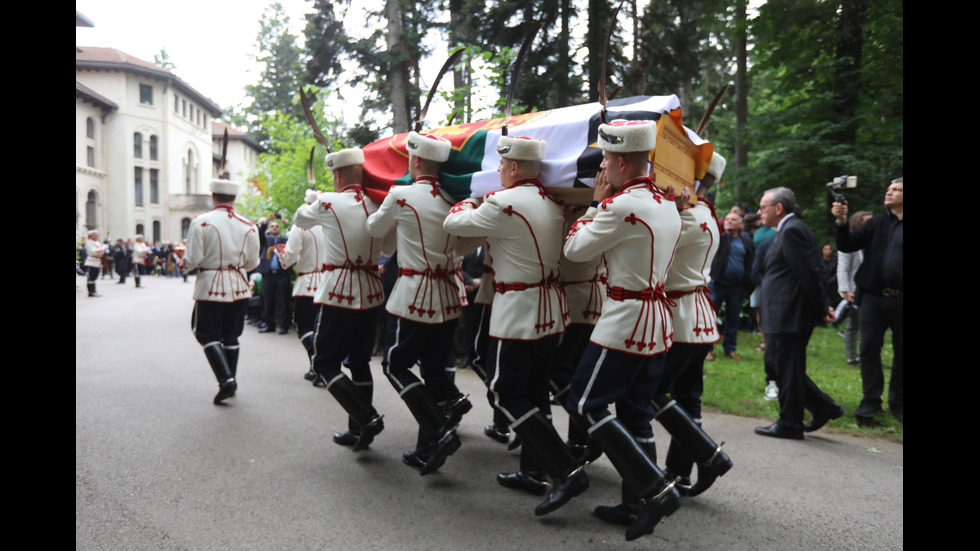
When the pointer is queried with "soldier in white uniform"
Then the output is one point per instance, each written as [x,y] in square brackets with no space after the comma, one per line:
[140,253]
[523,225]
[349,297]
[678,400]
[306,248]
[94,251]
[426,302]
[222,245]
[636,227]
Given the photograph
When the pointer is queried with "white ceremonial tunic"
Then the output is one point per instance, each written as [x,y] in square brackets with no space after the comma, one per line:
[307,249]
[94,251]
[351,277]
[428,288]
[140,252]
[223,246]
[636,230]
[695,321]
[523,226]
[584,284]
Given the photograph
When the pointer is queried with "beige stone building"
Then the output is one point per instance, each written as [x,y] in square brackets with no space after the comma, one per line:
[145,148]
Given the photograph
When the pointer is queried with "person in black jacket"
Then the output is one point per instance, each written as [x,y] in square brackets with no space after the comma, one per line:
[880,295]
[793,303]
[731,278]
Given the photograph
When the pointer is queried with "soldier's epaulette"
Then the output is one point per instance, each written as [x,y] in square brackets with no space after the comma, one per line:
[492,193]
[609,200]
[458,206]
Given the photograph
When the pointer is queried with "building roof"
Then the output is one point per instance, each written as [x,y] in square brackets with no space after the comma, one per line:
[218,133]
[87,94]
[90,58]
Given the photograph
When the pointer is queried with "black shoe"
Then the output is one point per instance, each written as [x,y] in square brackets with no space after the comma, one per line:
[319,381]
[867,412]
[225,390]
[776,430]
[500,434]
[682,483]
[531,483]
[447,445]
[284,330]
[267,328]
[514,444]
[653,511]
[459,407]
[622,514]
[708,471]
[563,490]
[345,438]
[368,432]
[417,459]
[310,375]
[820,419]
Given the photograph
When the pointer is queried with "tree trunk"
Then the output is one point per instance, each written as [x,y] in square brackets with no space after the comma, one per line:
[399,75]
[741,92]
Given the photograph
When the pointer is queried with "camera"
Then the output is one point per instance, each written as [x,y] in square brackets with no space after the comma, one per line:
[839,184]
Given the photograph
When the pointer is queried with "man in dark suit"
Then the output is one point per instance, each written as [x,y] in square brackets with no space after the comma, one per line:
[793,303]
[276,290]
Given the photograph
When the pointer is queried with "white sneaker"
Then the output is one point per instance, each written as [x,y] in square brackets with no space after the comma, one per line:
[772,391]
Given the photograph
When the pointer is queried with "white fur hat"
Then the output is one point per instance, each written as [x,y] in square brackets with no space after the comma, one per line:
[311,195]
[224,187]
[521,148]
[345,157]
[428,146]
[622,136]
[717,166]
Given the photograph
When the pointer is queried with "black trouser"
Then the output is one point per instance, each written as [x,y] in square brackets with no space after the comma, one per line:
[796,390]
[276,292]
[218,321]
[878,314]
[344,334]
[683,377]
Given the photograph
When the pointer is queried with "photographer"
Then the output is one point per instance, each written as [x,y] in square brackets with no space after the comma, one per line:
[880,295]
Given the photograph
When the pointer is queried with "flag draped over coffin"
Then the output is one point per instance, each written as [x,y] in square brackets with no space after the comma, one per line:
[571,158]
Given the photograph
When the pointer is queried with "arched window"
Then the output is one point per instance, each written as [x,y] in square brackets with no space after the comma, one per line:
[188,172]
[138,145]
[139,229]
[153,148]
[89,128]
[185,228]
[156,231]
[91,221]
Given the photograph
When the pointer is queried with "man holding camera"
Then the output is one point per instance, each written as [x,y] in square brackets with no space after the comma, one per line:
[880,294]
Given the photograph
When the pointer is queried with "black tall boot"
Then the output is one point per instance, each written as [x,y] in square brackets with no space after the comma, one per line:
[350,398]
[625,513]
[307,342]
[350,437]
[231,355]
[219,365]
[443,440]
[543,443]
[640,473]
[91,290]
[712,462]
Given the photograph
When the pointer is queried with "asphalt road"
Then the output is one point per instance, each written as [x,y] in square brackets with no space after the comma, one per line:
[158,467]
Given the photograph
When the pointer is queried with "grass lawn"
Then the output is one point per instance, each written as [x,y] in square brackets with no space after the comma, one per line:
[736,386]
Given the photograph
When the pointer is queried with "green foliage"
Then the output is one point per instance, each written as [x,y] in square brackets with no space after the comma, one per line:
[282,171]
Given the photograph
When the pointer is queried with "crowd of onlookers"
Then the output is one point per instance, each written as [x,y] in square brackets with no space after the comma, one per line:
[161,260]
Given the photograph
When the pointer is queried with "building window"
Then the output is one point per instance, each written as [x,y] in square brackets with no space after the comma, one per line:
[138,187]
[154,186]
[156,231]
[185,228]
[153,148]
[188,172]
[90,128]
[176,103]
[183,104]
[90,211]
[146,94]
[138,145]
[139,229]
[90,151]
